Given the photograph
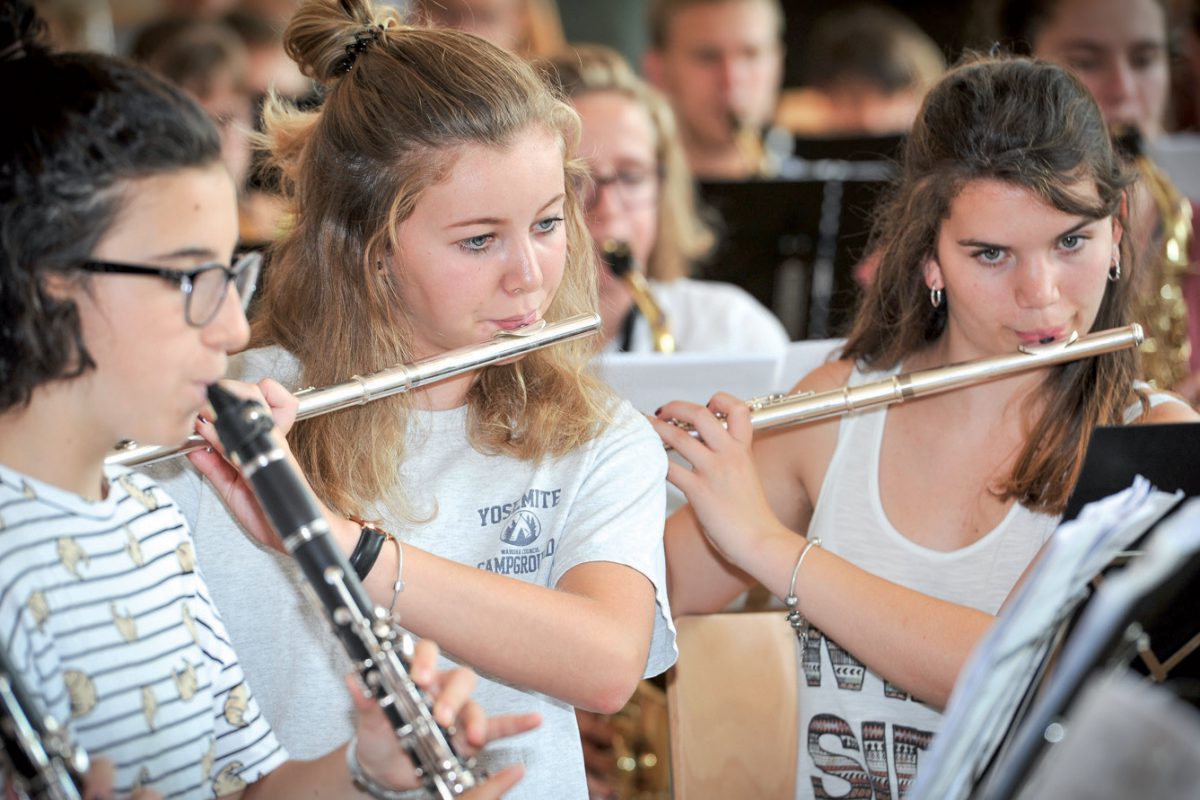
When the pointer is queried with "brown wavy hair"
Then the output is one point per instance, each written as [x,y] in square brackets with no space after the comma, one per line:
[1033,125]
[398,104]
[681,237]
[70,156]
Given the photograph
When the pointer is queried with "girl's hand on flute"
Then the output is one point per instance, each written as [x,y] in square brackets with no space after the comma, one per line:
[722,483]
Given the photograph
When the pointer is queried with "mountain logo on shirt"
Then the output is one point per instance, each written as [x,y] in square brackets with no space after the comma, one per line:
[523,529]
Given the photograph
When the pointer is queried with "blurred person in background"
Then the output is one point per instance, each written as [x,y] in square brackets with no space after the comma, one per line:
[642,194]
[1121,50]
[268,67]
[208,60]
[720,63]
[529,28]
[867,68]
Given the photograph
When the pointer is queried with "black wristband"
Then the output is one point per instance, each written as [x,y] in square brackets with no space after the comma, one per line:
[370,542]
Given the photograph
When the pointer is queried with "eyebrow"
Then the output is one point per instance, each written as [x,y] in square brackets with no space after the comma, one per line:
[1068,232]
[466,223]
[188,252]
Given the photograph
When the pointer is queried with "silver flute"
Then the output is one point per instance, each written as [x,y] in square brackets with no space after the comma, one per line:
[38,761]
[780,410]
[360,390]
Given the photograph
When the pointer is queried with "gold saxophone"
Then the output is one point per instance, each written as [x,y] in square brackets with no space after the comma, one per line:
[361,389]
[1162,308]
[749,141]
[620,261]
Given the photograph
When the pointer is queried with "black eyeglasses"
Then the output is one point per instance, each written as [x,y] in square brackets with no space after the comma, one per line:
[635,187]
[203,288]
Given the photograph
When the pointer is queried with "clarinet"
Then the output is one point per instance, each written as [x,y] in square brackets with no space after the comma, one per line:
[379,652]
[39,759]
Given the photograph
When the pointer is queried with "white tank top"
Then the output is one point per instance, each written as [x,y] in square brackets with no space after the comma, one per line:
[861,736]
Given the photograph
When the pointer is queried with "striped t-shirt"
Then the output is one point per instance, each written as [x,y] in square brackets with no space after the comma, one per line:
[109,623]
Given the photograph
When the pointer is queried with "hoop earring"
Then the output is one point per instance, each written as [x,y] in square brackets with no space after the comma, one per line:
[1114,271]
[936,296]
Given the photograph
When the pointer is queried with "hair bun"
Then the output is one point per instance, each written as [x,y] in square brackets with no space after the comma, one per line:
[325,37]
[22,31]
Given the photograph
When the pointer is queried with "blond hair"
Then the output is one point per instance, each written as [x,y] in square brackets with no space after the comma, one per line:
[399,104]
[681,236]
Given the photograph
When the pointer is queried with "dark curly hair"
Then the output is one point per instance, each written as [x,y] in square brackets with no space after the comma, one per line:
[82,125]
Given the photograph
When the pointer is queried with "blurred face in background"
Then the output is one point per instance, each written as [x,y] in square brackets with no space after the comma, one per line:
[501,22]
[1118,48]
[619,144]
[232,109]
[720,60]
[200,8]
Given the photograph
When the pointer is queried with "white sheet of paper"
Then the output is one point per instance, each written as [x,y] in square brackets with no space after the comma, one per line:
[648,380]
[1006,661]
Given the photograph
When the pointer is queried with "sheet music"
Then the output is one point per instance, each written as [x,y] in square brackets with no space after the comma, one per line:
[1089,649]
[648,380]
[1004,665]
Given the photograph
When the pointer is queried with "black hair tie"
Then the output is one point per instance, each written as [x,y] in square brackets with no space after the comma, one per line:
[362,40]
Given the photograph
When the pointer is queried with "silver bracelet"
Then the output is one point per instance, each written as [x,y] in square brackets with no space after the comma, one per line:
[791,601]
[398,586]
[365,783]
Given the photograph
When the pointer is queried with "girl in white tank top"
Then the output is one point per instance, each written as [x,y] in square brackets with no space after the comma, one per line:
[897,534]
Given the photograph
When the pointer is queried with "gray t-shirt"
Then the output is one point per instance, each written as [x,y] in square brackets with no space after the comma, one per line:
[529,521]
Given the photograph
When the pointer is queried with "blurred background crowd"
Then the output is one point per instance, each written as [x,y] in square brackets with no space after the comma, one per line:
[737,148]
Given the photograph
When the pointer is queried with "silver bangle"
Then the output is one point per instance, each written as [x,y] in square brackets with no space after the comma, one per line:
[365,783]
[791,601]
[398,586]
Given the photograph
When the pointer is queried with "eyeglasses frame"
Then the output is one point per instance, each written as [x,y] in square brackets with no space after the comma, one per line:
[250,260]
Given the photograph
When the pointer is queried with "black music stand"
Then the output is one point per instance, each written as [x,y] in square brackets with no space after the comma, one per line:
[1165,605]
[766,233]
[849,148]
[1105,637]
[793,242]
[1167,455]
